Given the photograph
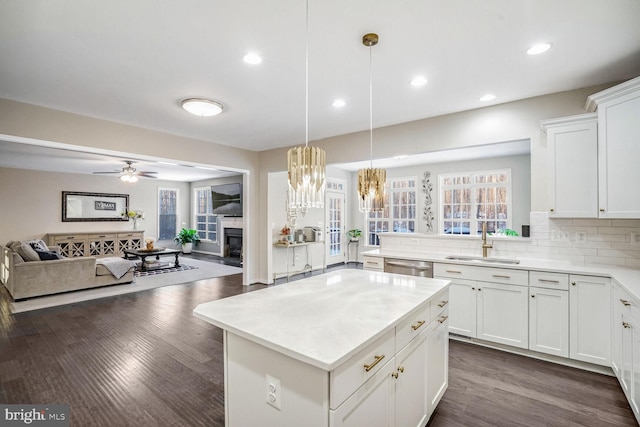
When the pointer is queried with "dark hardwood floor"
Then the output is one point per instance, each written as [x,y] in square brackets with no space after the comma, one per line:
[143,360]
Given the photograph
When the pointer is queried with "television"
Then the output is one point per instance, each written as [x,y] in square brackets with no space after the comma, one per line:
[226,199]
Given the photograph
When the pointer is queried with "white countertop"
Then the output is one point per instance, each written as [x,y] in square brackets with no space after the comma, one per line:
[322,320]
[629,278]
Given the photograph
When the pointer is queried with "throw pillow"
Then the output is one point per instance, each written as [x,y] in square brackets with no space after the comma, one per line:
[25,251]
[37,246]
[48,255]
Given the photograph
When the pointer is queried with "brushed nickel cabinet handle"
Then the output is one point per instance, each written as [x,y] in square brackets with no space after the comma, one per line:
[500,276]
[626,325]
[548,281]
[625,302]
[443,303]
[443,319]
[417,325]
[454,271]
[377,360]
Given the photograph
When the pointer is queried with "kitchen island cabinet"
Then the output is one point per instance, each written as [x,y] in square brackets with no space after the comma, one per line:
[337,349]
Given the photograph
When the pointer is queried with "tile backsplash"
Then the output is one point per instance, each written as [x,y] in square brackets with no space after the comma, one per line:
[597,241]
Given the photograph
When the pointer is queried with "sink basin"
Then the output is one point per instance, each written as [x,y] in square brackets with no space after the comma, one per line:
[483,260]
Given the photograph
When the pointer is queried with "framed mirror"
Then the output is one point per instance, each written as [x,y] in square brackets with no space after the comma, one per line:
[80,207]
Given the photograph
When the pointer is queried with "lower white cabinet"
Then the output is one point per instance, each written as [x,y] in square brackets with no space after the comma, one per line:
[462,310]
[372,263]
[549,321]
[502,313]
[437,361]
[590,319]
[411,406]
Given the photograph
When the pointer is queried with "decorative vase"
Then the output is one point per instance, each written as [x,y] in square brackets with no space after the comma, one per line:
[135,223]
[187,248]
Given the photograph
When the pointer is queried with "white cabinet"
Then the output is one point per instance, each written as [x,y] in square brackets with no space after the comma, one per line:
[572,147]
[488,303]
[590,319]
[410,375]
[437,361]
[618,149]
[502,313]
[372,263]
[549,313]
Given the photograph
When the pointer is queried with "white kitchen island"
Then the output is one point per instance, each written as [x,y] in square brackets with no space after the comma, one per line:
[348,348]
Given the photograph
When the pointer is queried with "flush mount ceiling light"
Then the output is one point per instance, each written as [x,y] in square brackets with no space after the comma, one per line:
[419,81]
[539,48]
[202,107]
[488,97]
[306,165]
[371,181]
[252,58]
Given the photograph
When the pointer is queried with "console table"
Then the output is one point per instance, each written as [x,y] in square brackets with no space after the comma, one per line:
[98,244]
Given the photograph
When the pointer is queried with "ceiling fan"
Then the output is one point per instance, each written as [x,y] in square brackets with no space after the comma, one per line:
[130,174]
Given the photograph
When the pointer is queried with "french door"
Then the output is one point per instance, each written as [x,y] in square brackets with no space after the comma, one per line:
[335,232]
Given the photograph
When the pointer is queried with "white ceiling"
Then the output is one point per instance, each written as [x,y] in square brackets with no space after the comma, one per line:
[134,61]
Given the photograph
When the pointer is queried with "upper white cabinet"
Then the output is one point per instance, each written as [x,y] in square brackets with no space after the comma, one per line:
[618,149]
[572,146]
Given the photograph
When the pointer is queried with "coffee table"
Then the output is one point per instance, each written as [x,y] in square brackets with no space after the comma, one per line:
[144,253]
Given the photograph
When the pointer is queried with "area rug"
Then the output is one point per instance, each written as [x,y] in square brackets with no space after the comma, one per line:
[182,267]
[199,270]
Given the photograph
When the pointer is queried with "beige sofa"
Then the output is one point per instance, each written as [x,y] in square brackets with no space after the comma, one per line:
[30,278]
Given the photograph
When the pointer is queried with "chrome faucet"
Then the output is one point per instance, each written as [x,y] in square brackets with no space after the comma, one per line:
[485,246]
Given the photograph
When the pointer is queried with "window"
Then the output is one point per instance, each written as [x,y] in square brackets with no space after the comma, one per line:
[399,214]
[206,223]
[470,198]
[167,213]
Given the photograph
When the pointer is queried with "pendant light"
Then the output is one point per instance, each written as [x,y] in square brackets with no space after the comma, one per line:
[306,165]
[371,181]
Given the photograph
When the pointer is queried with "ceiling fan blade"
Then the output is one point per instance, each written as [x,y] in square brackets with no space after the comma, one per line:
[118,172]
[145,175]
[139,172]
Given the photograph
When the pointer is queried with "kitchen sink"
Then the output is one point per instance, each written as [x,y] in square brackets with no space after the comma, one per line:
[482,260]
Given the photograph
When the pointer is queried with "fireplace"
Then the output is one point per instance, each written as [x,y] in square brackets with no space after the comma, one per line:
[233,243]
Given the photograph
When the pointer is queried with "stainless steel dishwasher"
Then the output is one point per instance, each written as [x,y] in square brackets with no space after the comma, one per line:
[409,267]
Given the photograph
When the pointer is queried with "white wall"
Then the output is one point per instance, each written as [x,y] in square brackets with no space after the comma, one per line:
[31,203]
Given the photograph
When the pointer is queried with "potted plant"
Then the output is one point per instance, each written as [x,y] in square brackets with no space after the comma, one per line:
[354,235]
[187,238]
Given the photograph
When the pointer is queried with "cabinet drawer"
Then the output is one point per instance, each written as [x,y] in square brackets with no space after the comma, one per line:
[543,279]
[346,378]
[373,263]
[61,239]
[483,274]
[439,304]
[102,236]
[410,328]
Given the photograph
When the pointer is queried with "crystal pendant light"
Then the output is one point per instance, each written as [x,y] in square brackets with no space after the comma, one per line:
[371,181]
[306,165]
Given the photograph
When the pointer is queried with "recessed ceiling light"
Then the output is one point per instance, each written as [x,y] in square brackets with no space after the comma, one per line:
[252,58]
[539,48]
[488,97]
[202,107]
[419,81]
[339,103]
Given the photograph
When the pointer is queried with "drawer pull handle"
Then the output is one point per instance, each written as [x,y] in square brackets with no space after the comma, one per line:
[625,302]
[443,303]
[417,325]
[401,369]
[500,276]
[443,319]
[394,375]
[370,366]
[454,271]
[372,262]
[102,236]
[625,325]
[69,237]
[548,281]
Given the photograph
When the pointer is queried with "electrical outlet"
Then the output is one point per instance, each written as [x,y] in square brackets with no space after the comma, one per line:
[581,236]
[274,391]
[635,238]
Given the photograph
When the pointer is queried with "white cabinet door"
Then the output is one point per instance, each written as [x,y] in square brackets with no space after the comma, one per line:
[626,327]
[620,311]
[462,307]
[634,397]
[549,321]
[503,314]
[410,377]
[572,144]
[618,154]
[373,404]
[437,361]
[590,319]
